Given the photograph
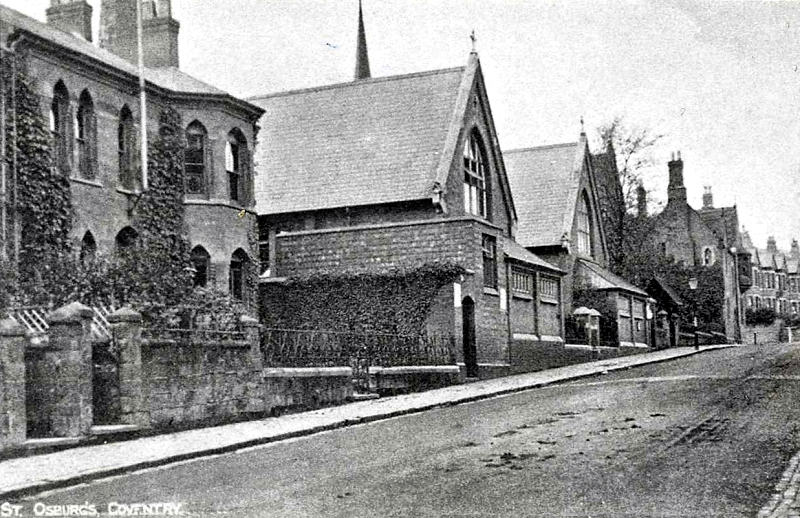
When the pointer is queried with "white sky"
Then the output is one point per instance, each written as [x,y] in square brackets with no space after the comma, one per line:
[721,79]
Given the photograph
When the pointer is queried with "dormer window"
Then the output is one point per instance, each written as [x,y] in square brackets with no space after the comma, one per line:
[475,173]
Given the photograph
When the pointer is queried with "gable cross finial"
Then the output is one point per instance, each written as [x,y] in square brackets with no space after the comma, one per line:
[473,39]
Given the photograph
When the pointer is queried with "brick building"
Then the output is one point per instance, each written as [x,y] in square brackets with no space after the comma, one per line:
[556,192]
[775,276]
[705,238]
[90,95]
[398,172]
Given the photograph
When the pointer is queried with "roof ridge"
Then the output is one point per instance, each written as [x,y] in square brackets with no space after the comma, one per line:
[372,80]
[538,148]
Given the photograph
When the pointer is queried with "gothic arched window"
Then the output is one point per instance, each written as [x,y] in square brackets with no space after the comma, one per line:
[86,136]
[585,226]
[127,238]
[476,196]
[126,144]
[88,248]
[201,262]
[238,274]
[195,158]
[60,126]
[236,166]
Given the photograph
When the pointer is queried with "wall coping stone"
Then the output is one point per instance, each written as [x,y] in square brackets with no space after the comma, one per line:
[415,369]
[10,327]
[393,224]
[248,321]
[126,314]
[307,372]
[74,312]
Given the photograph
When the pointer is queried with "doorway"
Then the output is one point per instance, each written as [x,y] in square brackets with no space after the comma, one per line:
[468,334]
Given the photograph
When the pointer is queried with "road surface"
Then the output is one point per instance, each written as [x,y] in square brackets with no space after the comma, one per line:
[706,435]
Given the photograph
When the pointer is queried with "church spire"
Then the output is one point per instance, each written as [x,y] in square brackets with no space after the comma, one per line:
[362,58]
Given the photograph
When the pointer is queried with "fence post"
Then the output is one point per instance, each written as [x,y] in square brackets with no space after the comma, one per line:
[126,330]
[13,423]
[67,371]
[255,385]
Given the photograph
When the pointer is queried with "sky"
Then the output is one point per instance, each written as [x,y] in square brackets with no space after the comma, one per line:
[720,80]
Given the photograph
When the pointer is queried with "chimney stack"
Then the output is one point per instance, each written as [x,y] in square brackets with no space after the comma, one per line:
[676,192]
[641,200]
[160,31]
[772,245]
[72,16]
[794,252]
[708,198]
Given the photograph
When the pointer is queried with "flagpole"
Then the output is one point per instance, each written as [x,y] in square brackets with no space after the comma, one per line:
[142,92]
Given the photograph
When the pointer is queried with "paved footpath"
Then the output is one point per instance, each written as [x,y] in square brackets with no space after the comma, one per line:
[30,475]
[785,501]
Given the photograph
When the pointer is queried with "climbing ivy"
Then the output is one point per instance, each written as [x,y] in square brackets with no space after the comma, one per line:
[43,200]
[397,301]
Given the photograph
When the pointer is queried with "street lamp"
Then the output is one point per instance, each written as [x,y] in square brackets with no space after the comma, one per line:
[693,287]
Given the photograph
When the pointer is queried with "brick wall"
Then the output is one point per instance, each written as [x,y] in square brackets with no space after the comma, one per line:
[408,244]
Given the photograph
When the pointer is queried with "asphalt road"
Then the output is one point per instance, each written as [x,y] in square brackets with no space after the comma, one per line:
[707,435]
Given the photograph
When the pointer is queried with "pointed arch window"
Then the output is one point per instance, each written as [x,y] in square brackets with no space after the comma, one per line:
[236,166]
[60,127]
[201,262]
[476,196]
[88,248]
[585,226]
[195,158]
[126,144]
[86,136]
[238,274]
[127,238]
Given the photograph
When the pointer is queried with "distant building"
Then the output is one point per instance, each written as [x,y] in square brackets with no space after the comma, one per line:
[89,94]
[776,278]
[705,238]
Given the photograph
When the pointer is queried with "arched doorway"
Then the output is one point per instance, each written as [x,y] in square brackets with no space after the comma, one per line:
[468,336]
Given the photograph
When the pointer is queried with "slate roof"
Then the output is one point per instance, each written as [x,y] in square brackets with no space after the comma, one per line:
[723,220]
[365,142]
[168,78]
[544,182]
[514,250]
[601,279]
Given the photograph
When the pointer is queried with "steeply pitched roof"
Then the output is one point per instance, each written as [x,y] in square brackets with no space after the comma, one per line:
[366,142]
[723,221]
[601,279]
[544,181]
[168,78]
[514,250]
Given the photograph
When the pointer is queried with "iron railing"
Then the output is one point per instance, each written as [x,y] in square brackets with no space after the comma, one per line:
[309,348]
[185,337]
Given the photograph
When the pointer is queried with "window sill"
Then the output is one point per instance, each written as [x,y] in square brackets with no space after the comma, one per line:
[490,291]
[523,296]
[84,181]
[549,301]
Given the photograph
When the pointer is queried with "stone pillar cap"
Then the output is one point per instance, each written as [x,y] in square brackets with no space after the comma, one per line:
[10,327]
[126,314]
[72,312]
[248,321]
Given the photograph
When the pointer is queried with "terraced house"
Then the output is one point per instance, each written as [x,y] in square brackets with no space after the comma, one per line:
[399,171]
[776,277]
[90,96]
